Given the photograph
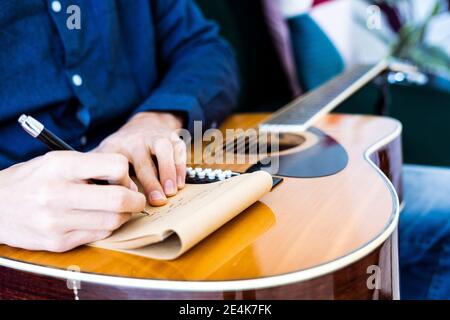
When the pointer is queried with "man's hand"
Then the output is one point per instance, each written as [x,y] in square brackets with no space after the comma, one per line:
[48,204]
[147,134]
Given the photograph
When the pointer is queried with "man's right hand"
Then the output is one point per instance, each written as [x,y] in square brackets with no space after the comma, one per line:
[48,203]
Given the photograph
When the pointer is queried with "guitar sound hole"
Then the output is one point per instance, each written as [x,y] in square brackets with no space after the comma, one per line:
[250,145]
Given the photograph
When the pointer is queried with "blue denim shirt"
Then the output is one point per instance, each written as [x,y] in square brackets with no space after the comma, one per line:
[128,56]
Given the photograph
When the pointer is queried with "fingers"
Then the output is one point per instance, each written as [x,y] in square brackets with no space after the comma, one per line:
[81,237]
[74,239]
[164,152]
[94,220]
[104,198]
[146,173]
[180,160]
[169,177]
[84,166]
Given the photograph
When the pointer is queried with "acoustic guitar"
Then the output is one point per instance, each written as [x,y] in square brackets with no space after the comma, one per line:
[326,231]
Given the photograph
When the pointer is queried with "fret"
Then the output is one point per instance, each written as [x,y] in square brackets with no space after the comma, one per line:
[303,112]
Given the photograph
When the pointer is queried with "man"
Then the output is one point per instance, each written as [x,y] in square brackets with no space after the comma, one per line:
[122,81]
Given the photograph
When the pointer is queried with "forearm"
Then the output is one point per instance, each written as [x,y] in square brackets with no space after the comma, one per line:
[202,85]
[200,73]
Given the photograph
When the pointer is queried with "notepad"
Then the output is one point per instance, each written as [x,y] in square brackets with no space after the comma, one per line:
[198,210]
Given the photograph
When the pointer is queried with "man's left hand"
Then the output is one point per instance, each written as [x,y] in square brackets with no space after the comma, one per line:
[147,134]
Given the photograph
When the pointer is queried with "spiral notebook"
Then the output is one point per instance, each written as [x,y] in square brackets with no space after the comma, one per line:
[198,210]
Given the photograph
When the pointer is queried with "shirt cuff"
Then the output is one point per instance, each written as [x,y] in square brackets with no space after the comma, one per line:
[188,106]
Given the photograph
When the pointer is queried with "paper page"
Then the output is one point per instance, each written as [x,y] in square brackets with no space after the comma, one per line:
[190,216]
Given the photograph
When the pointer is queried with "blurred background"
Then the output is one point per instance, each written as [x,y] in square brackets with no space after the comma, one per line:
[286,48]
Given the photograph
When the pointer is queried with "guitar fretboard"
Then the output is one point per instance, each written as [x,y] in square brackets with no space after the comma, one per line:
[303,112]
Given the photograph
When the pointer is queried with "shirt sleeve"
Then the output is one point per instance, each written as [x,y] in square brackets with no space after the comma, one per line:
[199,75]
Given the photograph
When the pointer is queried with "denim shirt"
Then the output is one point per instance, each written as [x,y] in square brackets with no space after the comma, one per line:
[125,56]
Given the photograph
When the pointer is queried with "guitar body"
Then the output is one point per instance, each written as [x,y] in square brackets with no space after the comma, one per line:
[330,236]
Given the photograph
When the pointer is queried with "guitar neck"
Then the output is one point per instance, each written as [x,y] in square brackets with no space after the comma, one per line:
[303,112]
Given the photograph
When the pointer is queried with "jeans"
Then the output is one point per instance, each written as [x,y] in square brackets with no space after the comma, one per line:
[424,234]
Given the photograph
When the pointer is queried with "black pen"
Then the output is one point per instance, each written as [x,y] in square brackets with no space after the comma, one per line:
[37,130]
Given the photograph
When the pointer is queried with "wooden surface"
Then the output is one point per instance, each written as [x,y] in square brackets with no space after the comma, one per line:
[344,284]
[301,224]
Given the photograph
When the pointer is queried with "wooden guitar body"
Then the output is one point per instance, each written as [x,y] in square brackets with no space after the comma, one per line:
[327,237]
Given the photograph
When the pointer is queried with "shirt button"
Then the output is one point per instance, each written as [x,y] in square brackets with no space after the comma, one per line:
[77,80]
[83,140]
[56,6]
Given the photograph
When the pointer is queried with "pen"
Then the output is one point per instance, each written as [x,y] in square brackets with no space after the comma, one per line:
[38,131]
